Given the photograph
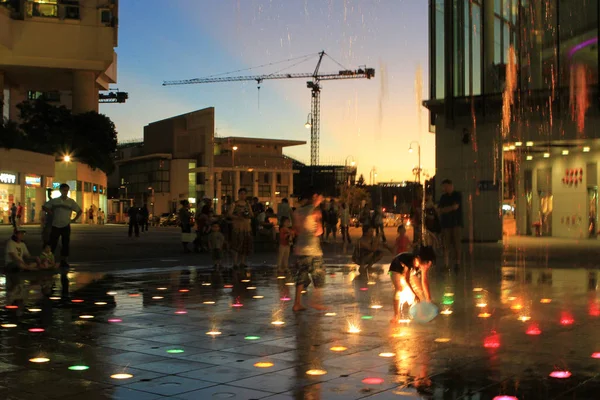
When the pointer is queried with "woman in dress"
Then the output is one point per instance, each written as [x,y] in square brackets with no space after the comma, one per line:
[241,236]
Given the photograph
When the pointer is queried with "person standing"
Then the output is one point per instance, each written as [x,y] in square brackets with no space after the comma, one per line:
[13,215]
[100,217]
[284,210]
[345,223]
[332,221]
[378,223]
[61,210]
[91,215]
[241,238]
[134,213]
[144,216]
[309,264]
[19,214]
[185,220]
[450,210]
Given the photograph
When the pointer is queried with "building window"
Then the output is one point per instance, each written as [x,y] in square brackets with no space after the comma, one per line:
[437,42]
[42,8]
[264,190]
[266,178]
[71,9]
[87,187]
[279,178]
[50,97]
[282,191]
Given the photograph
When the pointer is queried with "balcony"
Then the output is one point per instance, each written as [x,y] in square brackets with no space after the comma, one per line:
[249,161]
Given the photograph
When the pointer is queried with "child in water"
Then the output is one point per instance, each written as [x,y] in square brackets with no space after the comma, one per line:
[402,267]
[47,258]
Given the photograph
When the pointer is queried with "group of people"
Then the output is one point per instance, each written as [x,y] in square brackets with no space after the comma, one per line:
[138,219]
[58,216]
[94,216]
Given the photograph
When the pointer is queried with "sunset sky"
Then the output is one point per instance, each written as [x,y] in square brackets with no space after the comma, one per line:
[372,120]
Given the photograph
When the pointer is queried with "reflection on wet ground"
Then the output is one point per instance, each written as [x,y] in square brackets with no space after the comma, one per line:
[192,333]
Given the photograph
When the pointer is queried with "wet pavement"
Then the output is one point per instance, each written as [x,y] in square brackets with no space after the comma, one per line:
[187,332]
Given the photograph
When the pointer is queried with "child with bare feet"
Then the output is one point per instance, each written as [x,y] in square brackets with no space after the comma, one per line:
[17,257]
[402,267]
[309,265]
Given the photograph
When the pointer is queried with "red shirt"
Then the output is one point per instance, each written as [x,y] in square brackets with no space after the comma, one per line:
[284,236]
[402,244]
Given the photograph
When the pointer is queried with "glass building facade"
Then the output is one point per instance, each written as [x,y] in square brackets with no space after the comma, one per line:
[470,42]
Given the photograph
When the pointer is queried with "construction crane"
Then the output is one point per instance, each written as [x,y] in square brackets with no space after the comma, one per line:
[314,85]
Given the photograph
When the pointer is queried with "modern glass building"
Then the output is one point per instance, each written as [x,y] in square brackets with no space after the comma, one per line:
[514,105]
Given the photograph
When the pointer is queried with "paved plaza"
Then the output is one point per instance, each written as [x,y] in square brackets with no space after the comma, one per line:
[135,319]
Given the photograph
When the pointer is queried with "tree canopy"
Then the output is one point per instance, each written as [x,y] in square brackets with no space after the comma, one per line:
[44,128]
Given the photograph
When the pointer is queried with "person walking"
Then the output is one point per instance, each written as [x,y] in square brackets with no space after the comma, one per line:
[134,213]
[185,221]
[61,211]
[144,216]
[450,210]
[345,223]
[309,264]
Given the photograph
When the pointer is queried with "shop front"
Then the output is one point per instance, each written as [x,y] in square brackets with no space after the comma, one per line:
[557,193]
[24,176]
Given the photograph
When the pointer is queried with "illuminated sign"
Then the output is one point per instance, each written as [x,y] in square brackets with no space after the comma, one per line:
[8,178]
[32,180]
[95,189]
[56,185]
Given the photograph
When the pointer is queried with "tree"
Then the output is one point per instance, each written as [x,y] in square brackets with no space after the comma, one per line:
[90,137]
[354,196]
[361,181]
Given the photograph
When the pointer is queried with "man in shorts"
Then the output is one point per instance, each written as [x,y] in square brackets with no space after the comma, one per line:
[309,265]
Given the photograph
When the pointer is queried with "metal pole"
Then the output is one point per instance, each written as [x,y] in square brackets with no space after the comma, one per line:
[422,201]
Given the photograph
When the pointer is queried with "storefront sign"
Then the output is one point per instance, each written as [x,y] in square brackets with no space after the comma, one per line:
[32,180]
[8,178]
[56,185]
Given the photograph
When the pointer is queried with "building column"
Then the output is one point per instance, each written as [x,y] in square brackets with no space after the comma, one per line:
[488,46]
[273,181]
[209,184]
[219,194]
[290,188]
[85,93]
[2,93]
[255,184]
[236,183]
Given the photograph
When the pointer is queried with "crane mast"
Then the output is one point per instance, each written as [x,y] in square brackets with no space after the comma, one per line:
[314,85]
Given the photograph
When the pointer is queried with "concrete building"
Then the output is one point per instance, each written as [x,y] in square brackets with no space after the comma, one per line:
[180,158]
[326,179]
[60,50]
[514,106]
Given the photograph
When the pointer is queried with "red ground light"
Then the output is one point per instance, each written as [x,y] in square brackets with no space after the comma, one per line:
[560,374]
[492,341]
[372,381]
[505,398]
[566,318]
[533,330]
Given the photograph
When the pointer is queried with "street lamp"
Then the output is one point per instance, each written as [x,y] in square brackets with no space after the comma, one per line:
[308,123]
[67,158]
[410,150]
[152,203]
[234,148]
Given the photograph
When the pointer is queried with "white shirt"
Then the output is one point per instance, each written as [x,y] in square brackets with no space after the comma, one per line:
[62,211]
[18,249]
